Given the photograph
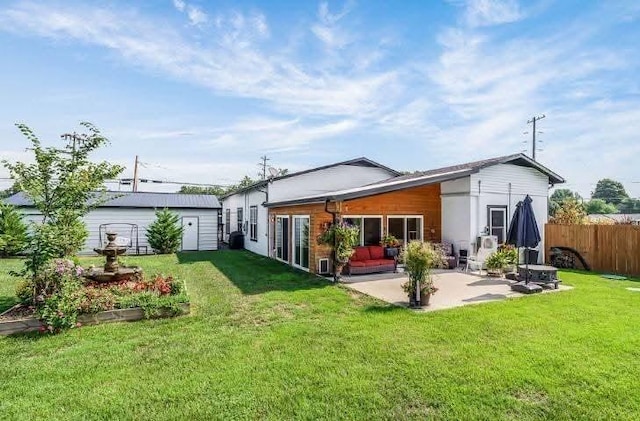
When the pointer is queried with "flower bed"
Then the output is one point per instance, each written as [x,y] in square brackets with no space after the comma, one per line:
[60,297]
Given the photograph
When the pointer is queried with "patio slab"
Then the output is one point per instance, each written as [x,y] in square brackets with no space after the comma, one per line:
[455,289]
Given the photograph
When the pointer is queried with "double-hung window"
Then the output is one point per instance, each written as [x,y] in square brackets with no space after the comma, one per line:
[227,221]
[253,223]
[240,219]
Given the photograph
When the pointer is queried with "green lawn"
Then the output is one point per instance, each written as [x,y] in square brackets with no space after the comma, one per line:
[264,341]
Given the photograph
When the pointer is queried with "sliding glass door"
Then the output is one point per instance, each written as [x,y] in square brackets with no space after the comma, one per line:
[301,241]
[282,238]
[405,228]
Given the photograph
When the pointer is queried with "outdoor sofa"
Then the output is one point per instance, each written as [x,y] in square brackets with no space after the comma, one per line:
[370,259]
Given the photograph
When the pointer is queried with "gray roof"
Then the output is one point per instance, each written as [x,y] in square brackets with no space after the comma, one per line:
[357,162]
[141,200]
[422,178]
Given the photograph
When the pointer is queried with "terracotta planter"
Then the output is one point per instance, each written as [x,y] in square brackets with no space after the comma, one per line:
[424,298]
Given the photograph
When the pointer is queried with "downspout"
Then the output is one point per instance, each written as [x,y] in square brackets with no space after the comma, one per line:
[509,208]
[334,220]
[266,200]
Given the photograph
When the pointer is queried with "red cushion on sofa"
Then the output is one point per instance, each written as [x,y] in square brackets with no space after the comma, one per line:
[362,253]
[382,262]
[356,264]
[370,263]
[376,252]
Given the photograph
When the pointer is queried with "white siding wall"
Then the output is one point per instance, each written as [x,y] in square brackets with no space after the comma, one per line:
[245,201]
[322,181]
[207,225]
[499,185]
[316,182]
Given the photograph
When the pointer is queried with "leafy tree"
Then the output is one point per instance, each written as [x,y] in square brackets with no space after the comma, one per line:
[610,191]
[165,233]
[629,205]
[570,212]
[9,192]
[599,206]
[13,231]
[64,185]
[560,196]
[214,190]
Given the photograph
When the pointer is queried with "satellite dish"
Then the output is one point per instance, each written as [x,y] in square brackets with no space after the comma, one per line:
[273,171]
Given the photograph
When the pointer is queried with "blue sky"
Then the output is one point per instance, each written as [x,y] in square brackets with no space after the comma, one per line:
[201,89]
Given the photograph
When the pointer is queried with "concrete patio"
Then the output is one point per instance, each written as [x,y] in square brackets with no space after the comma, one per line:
[455,288]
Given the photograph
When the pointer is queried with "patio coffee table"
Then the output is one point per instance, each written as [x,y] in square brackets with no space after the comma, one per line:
[539,274]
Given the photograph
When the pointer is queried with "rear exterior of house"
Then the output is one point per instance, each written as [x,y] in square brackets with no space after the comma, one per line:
[484,202]
[129,214]
[410,214]
[455,204]
[244,210]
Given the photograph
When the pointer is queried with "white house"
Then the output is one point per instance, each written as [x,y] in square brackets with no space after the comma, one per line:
[454,204]
[244,210]
[129,214]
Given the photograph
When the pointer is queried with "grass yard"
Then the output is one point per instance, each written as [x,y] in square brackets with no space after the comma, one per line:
[265,341]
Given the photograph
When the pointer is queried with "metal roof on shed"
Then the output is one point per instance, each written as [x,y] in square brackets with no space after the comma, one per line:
[141,200]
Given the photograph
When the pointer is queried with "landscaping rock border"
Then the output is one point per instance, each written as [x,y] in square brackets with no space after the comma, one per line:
[31,324]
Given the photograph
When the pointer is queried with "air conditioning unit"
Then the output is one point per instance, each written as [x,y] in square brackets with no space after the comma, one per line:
[323,266]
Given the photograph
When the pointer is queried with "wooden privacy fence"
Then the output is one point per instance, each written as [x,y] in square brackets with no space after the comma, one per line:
[606,248]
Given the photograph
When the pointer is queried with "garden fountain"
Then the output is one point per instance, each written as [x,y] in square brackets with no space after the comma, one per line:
[112,271]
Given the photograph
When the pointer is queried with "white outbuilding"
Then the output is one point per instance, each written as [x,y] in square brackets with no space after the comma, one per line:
[129,214]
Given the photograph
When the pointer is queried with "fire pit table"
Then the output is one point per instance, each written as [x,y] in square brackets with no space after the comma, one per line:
[539,274]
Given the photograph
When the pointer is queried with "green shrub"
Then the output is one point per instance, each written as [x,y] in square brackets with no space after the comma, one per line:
[496,260]
[165,233]
[419,259]
[342,238]
[13,231]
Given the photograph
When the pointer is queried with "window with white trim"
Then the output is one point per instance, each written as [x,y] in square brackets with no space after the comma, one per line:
[405,228]
[239,219]
[227,221]
[253,223]
[370,228]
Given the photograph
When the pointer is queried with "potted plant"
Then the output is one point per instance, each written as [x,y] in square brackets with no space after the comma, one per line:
[510,256]
[495,263]
[342,238]
[391,245]
[420,258]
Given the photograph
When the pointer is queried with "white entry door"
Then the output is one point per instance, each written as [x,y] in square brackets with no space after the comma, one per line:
[189,233]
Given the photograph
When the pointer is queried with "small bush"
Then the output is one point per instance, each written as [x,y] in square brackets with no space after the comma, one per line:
[13,231]
[165,233]
[419,258]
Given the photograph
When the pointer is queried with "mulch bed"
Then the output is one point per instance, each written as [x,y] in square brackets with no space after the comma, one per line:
[19,311]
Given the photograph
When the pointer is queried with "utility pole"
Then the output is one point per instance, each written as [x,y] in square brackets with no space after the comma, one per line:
[533,132]
[263,166]
[135,175]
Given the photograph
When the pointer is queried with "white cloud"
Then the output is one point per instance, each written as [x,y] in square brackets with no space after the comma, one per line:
[491,12]
[232,62]
[196,15]
[327,30]
[179,5]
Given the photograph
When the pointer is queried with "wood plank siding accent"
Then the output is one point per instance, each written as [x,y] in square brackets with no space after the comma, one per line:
[422,201]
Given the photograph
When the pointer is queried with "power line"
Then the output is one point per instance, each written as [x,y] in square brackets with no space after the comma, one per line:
[263,166]
[533,134]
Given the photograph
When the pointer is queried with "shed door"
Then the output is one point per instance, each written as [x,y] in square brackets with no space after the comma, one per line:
[190,233]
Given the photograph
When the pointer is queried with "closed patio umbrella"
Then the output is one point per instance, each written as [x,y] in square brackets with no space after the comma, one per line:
[523,230]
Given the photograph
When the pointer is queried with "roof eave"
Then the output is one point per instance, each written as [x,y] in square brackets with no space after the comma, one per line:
[373,191]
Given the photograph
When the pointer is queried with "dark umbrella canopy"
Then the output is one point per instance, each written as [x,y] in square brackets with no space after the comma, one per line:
[527,225]
[512,234]
[523,230]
